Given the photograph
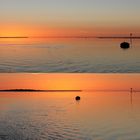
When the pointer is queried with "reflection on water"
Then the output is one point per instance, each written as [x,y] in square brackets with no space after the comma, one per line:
[68,55]
[98,115]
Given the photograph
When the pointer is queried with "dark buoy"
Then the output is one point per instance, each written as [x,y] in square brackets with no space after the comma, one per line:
[77,98]
[125,45]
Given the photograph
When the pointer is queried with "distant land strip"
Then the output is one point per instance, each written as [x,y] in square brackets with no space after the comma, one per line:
[34,90]
[14,37]
[90,37]
[100,37]
[115,90]
[119,37]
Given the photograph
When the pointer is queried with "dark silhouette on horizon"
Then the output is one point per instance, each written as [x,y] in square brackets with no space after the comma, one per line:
[34,90]
[14,37]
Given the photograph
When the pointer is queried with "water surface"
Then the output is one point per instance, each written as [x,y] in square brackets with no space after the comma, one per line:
[98,115]
[109,108]
[68,55]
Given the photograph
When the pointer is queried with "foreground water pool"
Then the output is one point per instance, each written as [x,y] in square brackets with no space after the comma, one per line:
[98,116]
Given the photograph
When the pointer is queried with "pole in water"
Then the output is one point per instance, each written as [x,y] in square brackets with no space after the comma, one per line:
[131,39]
[131,95]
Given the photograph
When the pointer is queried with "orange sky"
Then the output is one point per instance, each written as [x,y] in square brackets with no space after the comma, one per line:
[69,17]
[70,81]
[33,30]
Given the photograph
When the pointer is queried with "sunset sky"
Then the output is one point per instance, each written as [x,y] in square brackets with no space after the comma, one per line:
[69,17]
[70,81]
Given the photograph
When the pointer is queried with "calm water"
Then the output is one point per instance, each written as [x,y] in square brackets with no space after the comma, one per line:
[68,55]
[52,116]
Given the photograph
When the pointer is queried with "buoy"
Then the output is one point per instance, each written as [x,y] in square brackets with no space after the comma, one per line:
[124,45]
[77,98]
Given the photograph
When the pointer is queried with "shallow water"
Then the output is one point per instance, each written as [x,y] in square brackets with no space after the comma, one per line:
[68,55]
[98,116]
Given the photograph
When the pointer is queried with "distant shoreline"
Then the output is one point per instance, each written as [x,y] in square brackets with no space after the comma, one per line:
[33,90]
[15,37]
[111,37]
[86,37]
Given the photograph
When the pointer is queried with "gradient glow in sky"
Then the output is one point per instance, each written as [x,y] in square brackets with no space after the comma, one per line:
[69,17]
[70,81]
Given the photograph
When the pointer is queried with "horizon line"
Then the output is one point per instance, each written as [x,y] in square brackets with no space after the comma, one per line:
[69,90]
[14,37]
[75,36]
[36,90]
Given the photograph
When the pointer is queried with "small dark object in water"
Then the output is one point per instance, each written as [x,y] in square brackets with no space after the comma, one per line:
[77,98]
[125,45]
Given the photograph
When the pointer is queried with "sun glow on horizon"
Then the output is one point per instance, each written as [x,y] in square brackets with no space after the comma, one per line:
[70,81]
[12,31]
[30,30]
